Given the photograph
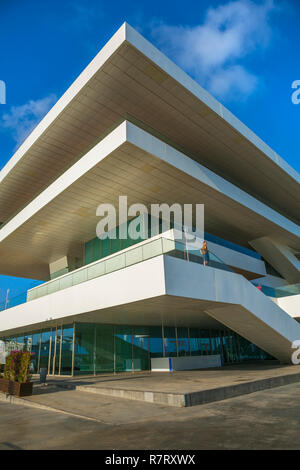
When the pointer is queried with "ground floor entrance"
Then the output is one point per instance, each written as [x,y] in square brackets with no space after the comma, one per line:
[91,348]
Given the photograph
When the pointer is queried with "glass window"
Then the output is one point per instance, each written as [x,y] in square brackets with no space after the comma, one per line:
[27,346]
[140,348]
[97,249]
[170,341]
[20,343]
[67,350]
[215,342]
[123,348]
[84,348]
[195,342]
[88,252]
[183,342]
[52,350]
[104,348]
[155,341]
[205,342]
[234,347]
[36,338]
[58,350]
[115,244]
[45,347]
[105,247]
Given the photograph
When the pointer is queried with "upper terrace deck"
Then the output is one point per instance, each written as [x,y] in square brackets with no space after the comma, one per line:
[131,79]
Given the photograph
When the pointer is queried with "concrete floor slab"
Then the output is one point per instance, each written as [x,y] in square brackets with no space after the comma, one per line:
[85,405]
[262,420]
[185,388]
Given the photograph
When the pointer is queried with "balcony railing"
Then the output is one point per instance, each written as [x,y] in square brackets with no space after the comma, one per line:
[136,254]
[140,252]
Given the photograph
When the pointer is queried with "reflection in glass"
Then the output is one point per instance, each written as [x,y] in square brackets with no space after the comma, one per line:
[195,342]
[104,348]
[99,347]
[183,342]
[123,348]
[45,347]
[84,348]
[170,341]
[36,339]
[67,350]
[140,348]
[155,341]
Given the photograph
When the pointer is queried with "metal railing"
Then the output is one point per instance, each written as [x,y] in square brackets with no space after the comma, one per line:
[140,252]
[128,257]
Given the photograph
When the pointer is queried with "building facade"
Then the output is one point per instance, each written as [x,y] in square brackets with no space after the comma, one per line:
[135,124]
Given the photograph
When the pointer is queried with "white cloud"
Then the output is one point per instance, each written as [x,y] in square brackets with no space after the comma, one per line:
[233,82]
[21,120]
[212,51]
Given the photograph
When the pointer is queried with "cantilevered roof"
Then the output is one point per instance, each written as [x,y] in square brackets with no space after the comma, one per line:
[130,78]
[129,161]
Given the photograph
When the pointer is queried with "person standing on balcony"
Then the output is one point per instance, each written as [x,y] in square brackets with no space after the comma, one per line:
[205,253]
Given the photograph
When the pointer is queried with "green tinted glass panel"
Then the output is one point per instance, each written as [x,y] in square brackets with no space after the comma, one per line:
[115,244]
[140,341]
[123,347]
[97,249]
[45,346]
[88,255]
[105,247]
[104,348]
[66,350]
[84,348]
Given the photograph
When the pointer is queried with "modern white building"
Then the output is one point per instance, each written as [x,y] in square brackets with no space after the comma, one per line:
[135,124]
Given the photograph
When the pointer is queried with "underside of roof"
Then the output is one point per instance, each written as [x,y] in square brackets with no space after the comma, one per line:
[130,79]
[129,162]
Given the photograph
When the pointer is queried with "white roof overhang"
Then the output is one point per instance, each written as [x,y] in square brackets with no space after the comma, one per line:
[129,161]
[129,78]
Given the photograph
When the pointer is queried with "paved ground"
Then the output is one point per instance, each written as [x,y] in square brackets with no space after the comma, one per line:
[182,388]
[263,420]
[183,381]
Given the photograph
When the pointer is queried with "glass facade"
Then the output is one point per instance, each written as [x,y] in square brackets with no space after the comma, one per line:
[96,248]
[88,348]
[104,348]
[66,352]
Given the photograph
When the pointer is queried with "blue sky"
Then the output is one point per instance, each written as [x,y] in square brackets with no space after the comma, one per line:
[244,52]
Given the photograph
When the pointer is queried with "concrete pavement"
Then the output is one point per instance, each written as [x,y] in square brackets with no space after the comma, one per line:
[263,420]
